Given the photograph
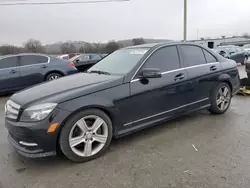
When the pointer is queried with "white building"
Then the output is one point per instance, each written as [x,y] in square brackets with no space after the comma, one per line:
[214,43]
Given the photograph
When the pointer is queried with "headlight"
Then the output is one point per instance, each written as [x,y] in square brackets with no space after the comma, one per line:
[38,112]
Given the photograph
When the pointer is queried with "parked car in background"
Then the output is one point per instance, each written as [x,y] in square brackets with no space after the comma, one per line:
[23,70]
[233,52]
[247,48]
[129,90]
[85,61]
[104,55]
[68,56]
[63,57]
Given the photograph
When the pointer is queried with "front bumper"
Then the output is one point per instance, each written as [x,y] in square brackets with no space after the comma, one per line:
[31,139]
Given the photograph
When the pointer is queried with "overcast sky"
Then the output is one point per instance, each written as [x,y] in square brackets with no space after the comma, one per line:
[159,19]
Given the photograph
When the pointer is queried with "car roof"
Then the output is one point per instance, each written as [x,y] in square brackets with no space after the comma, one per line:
[155,45]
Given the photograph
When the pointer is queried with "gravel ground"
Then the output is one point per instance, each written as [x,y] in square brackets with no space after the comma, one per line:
[162,156]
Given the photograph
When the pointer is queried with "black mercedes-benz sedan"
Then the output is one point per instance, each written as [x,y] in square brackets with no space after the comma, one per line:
[131,89]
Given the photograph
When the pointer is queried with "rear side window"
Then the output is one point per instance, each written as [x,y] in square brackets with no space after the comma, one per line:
[165,59]
[84,58]
[209,57]
[8,62]
[33,59]
[65,58]
[192,55]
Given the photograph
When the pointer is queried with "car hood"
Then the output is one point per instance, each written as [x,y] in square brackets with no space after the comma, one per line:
[66,88]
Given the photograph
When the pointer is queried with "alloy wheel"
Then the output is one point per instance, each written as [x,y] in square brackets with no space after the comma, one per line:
[88,136]
[54,77]
[223,98]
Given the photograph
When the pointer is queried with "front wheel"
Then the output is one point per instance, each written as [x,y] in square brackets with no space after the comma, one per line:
[220,98]
[86,135]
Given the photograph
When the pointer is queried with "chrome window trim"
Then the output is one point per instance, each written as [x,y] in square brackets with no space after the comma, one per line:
[166,45]
[137,79]
[165,112]
[19,55]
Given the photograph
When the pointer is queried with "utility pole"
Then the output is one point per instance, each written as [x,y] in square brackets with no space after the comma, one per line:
[185,20]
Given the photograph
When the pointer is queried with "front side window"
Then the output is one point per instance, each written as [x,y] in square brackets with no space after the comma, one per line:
[33,59]
[192,55]
[95,57]
[8,62]
[121,61]
[164,59]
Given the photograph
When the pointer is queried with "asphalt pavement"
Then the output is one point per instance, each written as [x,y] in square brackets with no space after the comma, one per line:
[164,156]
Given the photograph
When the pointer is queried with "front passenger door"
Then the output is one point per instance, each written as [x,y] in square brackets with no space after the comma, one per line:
[154,99]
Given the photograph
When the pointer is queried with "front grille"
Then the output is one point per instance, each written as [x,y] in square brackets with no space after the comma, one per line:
[12,110]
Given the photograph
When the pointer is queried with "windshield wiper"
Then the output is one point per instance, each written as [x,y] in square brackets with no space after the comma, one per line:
[99,72]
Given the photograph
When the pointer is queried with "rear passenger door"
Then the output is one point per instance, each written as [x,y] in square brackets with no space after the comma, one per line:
[33,69]
[203,70]
[9,73]
[155,99]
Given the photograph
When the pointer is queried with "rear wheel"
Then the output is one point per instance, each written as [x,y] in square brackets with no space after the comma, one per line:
[53,76]
[221,98]
[86,135]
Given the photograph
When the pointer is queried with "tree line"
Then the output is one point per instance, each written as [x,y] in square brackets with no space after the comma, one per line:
[35,46]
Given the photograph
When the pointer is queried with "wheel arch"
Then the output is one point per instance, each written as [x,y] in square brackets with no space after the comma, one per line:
[104,109]
[227,79]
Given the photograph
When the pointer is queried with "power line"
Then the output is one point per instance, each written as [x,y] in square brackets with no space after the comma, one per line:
[61,3]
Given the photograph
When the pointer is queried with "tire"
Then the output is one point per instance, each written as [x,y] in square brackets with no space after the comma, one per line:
[53,76]
[244,61]
[80,152]
[217,100]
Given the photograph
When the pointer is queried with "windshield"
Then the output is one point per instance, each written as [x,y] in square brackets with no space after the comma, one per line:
[120,62]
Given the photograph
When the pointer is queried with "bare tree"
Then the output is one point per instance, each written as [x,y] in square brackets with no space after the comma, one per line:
[81,49]
[8,49]
[111,47]
[246,35]
[34,46]
[67,48]
[138,41]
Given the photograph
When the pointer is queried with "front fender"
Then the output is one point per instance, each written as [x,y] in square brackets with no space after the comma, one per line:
[92,101]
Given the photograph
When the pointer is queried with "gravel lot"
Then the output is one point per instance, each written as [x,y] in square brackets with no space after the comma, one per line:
[162,156]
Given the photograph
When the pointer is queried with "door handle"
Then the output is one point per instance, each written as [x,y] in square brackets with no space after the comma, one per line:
[213,68]
[179,77]
[44,66]
[13,71]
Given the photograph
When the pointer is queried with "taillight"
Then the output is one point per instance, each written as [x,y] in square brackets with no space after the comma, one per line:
[71,64]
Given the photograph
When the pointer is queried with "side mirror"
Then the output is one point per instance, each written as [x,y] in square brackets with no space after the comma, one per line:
[150,73]
[231,53]
[77,60]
